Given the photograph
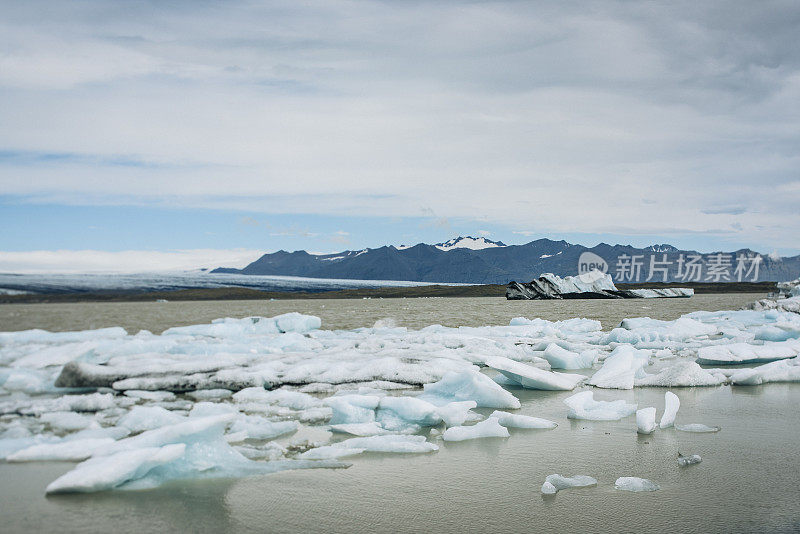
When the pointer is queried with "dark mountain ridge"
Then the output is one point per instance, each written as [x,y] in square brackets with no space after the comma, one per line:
[481,261]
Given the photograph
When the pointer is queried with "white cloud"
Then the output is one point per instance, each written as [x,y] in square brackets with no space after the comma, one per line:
[515,115]
[126,261]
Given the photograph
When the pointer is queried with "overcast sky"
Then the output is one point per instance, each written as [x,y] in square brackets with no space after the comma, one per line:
[253,126]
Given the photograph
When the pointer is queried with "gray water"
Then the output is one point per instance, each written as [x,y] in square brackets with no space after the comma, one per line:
[353,313]
[747,481]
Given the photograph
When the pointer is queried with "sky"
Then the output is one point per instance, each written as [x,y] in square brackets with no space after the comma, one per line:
[192,133]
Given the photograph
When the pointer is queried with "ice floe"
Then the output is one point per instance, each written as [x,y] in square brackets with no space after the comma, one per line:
[583,406]
[225,398]
[779,371]
[488,428]
[621,368]
[683,461]
[646,420]
[555,483]
[510,420]
[671,405]
[532,377]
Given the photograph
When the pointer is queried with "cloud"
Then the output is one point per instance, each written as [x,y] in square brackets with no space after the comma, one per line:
[516,116]
[732,210]
[485,233]
[126,261]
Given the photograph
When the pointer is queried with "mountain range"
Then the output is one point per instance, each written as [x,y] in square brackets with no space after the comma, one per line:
[483,261]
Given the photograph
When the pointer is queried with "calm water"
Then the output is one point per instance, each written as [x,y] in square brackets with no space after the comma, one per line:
[353,313]
[747,481]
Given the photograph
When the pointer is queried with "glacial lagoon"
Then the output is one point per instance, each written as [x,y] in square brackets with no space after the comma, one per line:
[746,481]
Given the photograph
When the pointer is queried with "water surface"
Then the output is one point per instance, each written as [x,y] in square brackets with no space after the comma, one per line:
[747,481]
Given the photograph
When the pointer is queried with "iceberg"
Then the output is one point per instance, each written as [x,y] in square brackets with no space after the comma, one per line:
[583,406]
[778,371]
[671,405]
[457,413]
[389,443]
[561,358]
[645,420]
[142,418]
[469,385]
[592,285]
[738,353]
[681,374]
[635,484]
[510,420]
[621,368]
[107,472]
[488,428]
[73,450]
[555,483]
[683,461]
[533,377]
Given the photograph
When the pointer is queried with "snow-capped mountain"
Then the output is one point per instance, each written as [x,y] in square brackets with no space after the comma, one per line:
[472,243]
[477,260]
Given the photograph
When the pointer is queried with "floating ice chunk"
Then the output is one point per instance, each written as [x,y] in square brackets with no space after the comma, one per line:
[697,427]
[93,402]
[561,358]
[296,322]
[583,406]
[469,385]
[353,408]
[206,409]
[43,336]
[533,377]
[671,405]
[10,445]
[158,396]
[389,443]
[621,368]
[736,353]
[106,472]
[79,449]
[142,418]
[192,429]
[646,420]
[209,394]
[683,461]
[510,420]
[259,428]
[291,399]
[554,483]
[269,451]
[413,410]
[55,355]
[681,374]
[635,484]
[66,421]
[780,371]
[330,452]
[457,413]
[26,380]
[360,429]
[645,332]
[489,428]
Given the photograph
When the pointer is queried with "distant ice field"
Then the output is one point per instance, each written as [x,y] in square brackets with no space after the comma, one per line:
[11,283]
